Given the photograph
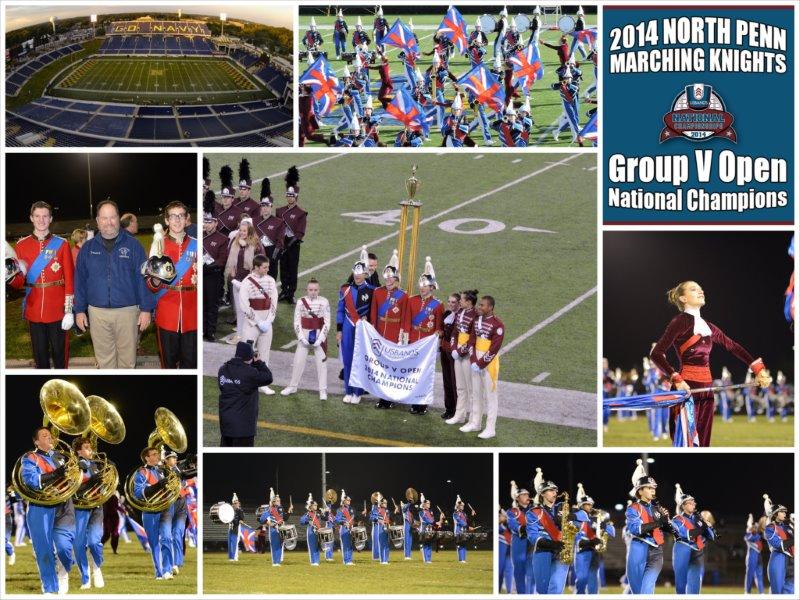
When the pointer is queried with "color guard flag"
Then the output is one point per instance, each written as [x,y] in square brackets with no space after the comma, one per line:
[527,65]
[401,37]
[485,86]
[405,109]
[685,427]
[248,536]
[325,86]
[454,28]
[587,36]
[589,130]
[140,533]
[789,308]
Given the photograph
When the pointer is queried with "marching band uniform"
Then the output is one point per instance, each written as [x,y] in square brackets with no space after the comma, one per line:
[180,514]
[248,205]
[272,232]
[359,35]
[506,569]
[587,559]
[459,342]
[426,521]
[312,321]
[345,518]
[543,526]
[340,34]
[274,517]
[374,533]
[570,99]
[330,519]
[380,517]
[234,528]
[779,536]
[12,557]
[476,50]
[355,301]
[460,527]
[517,525]
[312,40]
[215,255]
[176,308]
[158,525]
[227,218]
[313,523]
[486,337]
[692,337]
[295,219]
[407,508]
[48,283]
[89,530]
[379,28]
[754,568]
[646,525]
[258,301]
[691,535]
[389,309]
[64,539]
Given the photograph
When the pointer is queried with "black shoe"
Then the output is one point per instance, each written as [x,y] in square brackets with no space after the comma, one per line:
[418,411]
[447,415]
[385,404]
[290,300]
[209,337]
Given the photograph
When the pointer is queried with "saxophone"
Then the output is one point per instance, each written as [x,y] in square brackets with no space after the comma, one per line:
[568,532]
[602,534]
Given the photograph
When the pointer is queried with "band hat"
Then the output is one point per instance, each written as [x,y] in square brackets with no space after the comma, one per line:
[313,23]
[457,104]
[526,106]
[458,500]
[358,22]
[227,191]
[354,124]
[537,10]
[360,267]
[272,495]
[478,23]
[504,12]
[580,12]
[245,181]
[428,276]
[640,478]
[422,499]
[235,498]
[497,64]
[581,497]
[310,500]
[340,14]
[344,496]
[418,75]
[208,217]
[392,267]
[750,522]
[170,454]
[771,509]
[380,11]
[368,103]
[681,497]
[541,486]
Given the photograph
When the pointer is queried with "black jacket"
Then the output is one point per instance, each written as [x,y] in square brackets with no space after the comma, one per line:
[238,396]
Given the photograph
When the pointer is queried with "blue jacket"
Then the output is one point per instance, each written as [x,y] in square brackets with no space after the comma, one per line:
[112,279]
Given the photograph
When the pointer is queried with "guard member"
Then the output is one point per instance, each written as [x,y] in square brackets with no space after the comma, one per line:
[460,351]
[779,535]
[389,308]
[692,533]
[258,302]
[295,219]
[215,255]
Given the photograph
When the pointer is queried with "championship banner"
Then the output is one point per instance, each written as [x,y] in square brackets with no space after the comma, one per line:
[701,101]
[392,371]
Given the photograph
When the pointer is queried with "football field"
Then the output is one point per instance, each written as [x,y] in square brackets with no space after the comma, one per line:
[546,103]
[252,574]
[158,80]
[518,227]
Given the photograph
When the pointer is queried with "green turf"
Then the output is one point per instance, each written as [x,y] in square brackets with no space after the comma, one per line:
[737,433]
[545,102]
[531,275]
[18,343]
[129,572]
[728,590]
[158,80]
[306,410]
[252,574]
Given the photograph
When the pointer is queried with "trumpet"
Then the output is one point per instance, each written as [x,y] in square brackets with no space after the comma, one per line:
[168,432]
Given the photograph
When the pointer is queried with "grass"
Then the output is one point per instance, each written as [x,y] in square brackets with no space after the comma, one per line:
[728,590]
[158,80]
[332,423]
[253,575]
[531,275]
[18,345]
[545,102]
[129,572]
[736,433]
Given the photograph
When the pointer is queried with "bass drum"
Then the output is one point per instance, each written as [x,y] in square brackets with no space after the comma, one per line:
[396,536]
[488,23]
[288,535]
[566,24]
[359,537]
[523,22]
[221,513]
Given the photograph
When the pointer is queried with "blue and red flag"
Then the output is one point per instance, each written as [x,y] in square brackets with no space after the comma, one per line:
[454,28]
[401,37]
[589,130]
[527,65]
[248,536]
[587,36]
[485,87]
[789,307]
[325,86]
[405,109]
[140,533]
[685,426]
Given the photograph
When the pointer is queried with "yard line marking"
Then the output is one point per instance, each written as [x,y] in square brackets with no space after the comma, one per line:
[289,345]
[335,435]
[539,326]
[478,157]
[516,160]
[531,229]
[540,377]
[441,213]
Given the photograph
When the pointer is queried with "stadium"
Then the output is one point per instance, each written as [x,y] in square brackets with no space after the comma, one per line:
[142,80]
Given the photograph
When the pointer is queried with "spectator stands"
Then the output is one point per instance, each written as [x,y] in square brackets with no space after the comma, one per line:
[19,76]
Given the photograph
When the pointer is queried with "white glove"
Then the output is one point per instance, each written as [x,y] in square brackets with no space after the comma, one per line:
[264,326]
[207,260]
[319,341]
[265,241]
[454,354]
[303,341]
[232,234]
[68,321]
[475,367]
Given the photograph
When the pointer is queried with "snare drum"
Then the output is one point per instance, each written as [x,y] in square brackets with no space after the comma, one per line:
[324,536]
[288,535]
[396,535]
[359,537]
[488,23]
[462,538]
[443,535]
[523,22]
[480,536]
[566,24]
[427,535]
[221,513]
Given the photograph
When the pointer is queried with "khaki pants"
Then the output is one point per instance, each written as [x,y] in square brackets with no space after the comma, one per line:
[115,333]
[483,399]
[299,365]
[463,387]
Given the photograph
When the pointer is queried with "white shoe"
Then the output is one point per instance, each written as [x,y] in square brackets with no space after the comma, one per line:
[264,389]
[469,427]
[355,399]
[346,398]
[86,586]
[314,564]
[12,559]
[407,557]
[63,579]
[486,434]
[175,570]
[454,420]
[159,578]
[97,579]
[231,339]
[276,565]
[349,564]
[489,143]
[384,563]
[288,391]
[323,395]
[167,575]
[556,133]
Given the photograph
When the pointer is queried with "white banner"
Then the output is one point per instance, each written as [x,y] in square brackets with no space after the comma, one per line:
[391,371]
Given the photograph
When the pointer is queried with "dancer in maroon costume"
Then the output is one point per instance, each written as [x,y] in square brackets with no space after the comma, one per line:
[692,337]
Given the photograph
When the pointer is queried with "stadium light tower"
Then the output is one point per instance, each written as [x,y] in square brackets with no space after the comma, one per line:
[223,17]
[53,23]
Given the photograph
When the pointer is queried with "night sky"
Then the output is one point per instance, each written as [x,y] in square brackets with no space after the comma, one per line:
[744,276]
[725,484]
[138,183]
[135,397]
[359,474]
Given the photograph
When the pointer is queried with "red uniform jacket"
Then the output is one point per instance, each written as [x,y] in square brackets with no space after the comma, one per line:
[274,228]
[390,324]
[216,246]
[490,328]
[430,326]
[295,219]
[227,220]
[463,325]
[45,302]
[177,309]
[251,207]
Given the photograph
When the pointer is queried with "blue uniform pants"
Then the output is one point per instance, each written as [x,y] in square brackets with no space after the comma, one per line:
[346,543]
[233,544]
[165,537]
[178,534]
[587,565]
[374,538]
[506,570]
[41,521]
[427,552]
[313,546]
[688,565]
[407,540]
[439,109]
[383,542]
[643,566]
[152,526]
[275,546]
[521,565]
[461,552]
[329,551]
[339,42]
[549,573]
[779,583]
[64,539]
[754,572]
[88,535]
[348,341]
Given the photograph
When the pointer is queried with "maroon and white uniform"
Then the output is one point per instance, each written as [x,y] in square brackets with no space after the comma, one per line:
[311,315]
[227,219]
[486,338]
[258,302]
[459,343]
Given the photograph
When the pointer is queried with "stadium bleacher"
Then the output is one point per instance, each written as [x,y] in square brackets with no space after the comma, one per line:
[18,77]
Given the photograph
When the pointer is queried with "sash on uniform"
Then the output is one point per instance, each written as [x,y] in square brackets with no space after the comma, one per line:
[423,314]
[317,322]
[44,465]
[46,256]
[658,535]
[493,367]
[187,259]
[383,308]
[689,343]
[689,527]
[549,525]
[350,305]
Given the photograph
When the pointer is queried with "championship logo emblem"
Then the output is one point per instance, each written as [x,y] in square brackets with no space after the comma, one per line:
[698,113]
[377,347]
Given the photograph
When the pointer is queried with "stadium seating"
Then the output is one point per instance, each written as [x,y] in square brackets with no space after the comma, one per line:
[18,77]
[156,44]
